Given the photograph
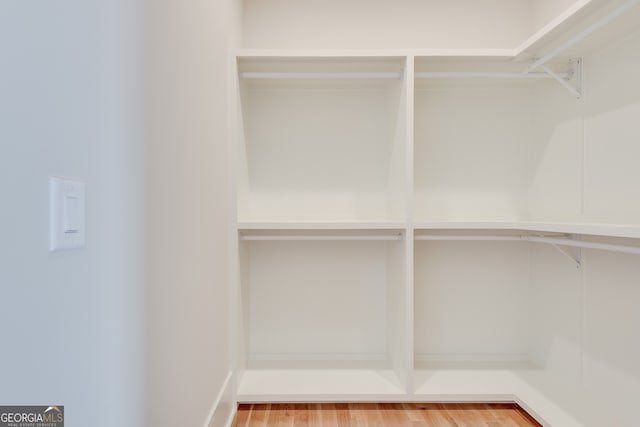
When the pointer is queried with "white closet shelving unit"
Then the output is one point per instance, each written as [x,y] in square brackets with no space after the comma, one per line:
[431,225]
[321,220]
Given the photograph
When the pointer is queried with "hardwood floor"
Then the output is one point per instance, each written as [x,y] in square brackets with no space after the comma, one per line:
[384,414]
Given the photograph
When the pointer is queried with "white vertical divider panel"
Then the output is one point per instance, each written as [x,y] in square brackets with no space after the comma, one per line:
[396,309]
[396,189]
[235,305]
[241,168]
[242,314]
[409,230]
[397,302]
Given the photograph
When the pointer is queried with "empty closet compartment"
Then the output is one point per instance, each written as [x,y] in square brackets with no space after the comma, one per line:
[478,313]
[472,314]
[321,314]
[322,139]
[524,315]
[474,137]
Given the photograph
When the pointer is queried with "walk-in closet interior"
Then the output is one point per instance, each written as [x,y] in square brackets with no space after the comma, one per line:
[439,201]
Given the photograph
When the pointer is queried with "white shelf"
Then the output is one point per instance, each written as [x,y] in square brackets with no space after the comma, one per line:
[497,384]
[288,225]
[321,232]
[492,382]
[373,53]
[572,21]
[439,384]
[303,385]
[319,53]
[465,225]
[593,229]
[587,229]
[605,19]
[560,24]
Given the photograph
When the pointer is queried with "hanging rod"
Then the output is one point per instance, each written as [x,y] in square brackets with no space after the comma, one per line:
[468,238]
[581,35]
[318,75]
[564,241]
[480,74]
[562,78]
[320,237]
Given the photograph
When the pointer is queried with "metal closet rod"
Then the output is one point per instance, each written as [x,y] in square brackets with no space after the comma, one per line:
[397,75]
[539,239]
[321,75]
[321,237]
[482,74]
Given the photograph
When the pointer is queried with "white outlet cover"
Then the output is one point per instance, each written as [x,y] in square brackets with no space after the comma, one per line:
[66,214]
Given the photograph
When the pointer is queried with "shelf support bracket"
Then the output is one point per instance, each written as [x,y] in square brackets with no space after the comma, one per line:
[572,81]
[577,258]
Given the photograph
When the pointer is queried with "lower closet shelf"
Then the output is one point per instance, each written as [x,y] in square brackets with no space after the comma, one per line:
[499,383]
[437,383]
[290,385]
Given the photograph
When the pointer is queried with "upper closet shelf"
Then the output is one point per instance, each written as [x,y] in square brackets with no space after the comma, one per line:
[558,242]
[321,237]
[587,229]
[593,229]
[566,36]
[295,225]
[369,53]
[302,68]
[326,75]
[326,232]
[572,28]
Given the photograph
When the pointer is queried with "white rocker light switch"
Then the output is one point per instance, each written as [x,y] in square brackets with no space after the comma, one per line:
[66,214]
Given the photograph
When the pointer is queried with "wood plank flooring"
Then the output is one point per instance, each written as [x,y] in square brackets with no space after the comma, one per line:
[383,414]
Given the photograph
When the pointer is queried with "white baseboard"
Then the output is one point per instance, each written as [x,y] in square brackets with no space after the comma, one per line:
[223,409]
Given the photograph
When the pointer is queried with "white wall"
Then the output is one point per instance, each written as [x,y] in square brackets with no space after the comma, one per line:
[185,67]
[555,155]
[70,322]
[375,24]
[460,312]
[585,338]
[358,124]
[484,132]
[612,108]
[584,320]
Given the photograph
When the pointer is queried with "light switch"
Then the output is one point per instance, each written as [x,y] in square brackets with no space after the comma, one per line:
[72,214]
[66,214]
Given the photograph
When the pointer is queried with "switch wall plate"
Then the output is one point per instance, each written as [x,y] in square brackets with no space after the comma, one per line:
[66,214]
